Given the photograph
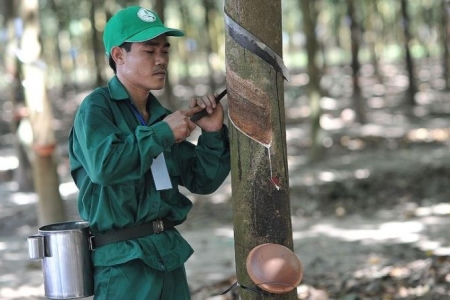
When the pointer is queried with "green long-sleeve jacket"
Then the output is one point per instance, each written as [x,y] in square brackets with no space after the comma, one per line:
[110,156]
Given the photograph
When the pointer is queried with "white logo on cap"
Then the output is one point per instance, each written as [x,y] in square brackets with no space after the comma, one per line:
[146,15]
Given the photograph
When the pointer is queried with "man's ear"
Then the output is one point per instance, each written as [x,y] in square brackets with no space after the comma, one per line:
[117,55]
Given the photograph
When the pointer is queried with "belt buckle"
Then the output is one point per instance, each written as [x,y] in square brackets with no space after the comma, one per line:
[158,226]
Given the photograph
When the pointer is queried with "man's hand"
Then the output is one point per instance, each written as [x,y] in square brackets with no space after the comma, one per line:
[213,121]
[180,124]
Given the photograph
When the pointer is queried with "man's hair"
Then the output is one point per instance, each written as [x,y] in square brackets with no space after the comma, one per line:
[112,63]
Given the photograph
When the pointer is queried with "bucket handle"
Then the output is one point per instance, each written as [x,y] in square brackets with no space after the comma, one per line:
[36,246]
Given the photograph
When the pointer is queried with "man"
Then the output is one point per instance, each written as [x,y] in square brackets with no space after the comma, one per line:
[128,155]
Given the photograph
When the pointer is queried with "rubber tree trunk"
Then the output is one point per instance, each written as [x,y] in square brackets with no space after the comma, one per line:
[310,13]
[46,180]
[183,67]
[374,30]
[97,45]
[207,38]
[259,174]
[63,70]
[444,27]
[412,89]
[356,37]
[23,175]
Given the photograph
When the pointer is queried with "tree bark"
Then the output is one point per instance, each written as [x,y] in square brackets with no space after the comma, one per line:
[373,27]
[183,68]
[207,43]
[97,45]
[444,40]
[355,33]
[260,181]
[50,208]
[159,8]
[62,69]
[313,88]
[23,175]
[412,89]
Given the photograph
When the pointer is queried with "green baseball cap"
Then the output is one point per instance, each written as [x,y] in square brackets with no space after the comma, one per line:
[134,24]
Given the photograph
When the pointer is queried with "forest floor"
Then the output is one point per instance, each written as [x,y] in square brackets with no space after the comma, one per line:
[370,219]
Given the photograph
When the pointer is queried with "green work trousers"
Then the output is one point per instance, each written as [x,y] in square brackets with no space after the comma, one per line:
[135,280]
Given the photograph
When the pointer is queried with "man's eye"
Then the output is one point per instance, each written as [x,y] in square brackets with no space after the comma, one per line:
[151,52]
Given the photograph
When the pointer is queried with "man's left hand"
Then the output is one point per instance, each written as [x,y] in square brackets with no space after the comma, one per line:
[213,120]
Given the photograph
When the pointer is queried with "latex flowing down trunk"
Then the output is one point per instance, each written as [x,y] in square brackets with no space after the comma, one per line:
[259,173]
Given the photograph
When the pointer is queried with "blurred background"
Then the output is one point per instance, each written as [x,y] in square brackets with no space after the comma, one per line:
[367,126]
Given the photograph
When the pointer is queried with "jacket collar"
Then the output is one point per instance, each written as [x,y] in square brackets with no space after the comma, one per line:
[118,92]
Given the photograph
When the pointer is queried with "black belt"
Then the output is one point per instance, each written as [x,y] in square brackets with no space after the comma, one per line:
[138,231]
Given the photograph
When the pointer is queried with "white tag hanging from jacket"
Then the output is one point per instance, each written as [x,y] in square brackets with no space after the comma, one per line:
[160,173]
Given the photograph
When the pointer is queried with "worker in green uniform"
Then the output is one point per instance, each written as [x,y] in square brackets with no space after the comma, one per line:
[128,155]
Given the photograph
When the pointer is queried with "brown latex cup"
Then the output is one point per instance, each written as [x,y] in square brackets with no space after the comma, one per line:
[274,268]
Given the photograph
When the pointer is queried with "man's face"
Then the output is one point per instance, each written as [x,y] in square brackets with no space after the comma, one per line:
[145,66]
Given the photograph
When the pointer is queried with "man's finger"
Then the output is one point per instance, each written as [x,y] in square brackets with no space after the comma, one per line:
[192,103]
[191,111]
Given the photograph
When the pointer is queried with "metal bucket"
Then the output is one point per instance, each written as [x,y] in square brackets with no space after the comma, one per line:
[66,259]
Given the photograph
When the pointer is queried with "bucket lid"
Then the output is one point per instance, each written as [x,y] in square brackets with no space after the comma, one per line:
[274,268]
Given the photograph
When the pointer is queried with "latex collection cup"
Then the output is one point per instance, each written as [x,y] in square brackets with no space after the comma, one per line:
[274,268]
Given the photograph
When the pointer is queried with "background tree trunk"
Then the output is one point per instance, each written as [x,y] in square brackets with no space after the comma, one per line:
[373,28]
[412,89]
[50,208]
[208,43]
[444,40]
[261,210]
[24,173]
[64,72]
[184,55]
[97,44]
[310,13]
[356,39]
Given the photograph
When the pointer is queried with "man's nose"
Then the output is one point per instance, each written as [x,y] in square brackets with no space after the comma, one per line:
[161,59]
